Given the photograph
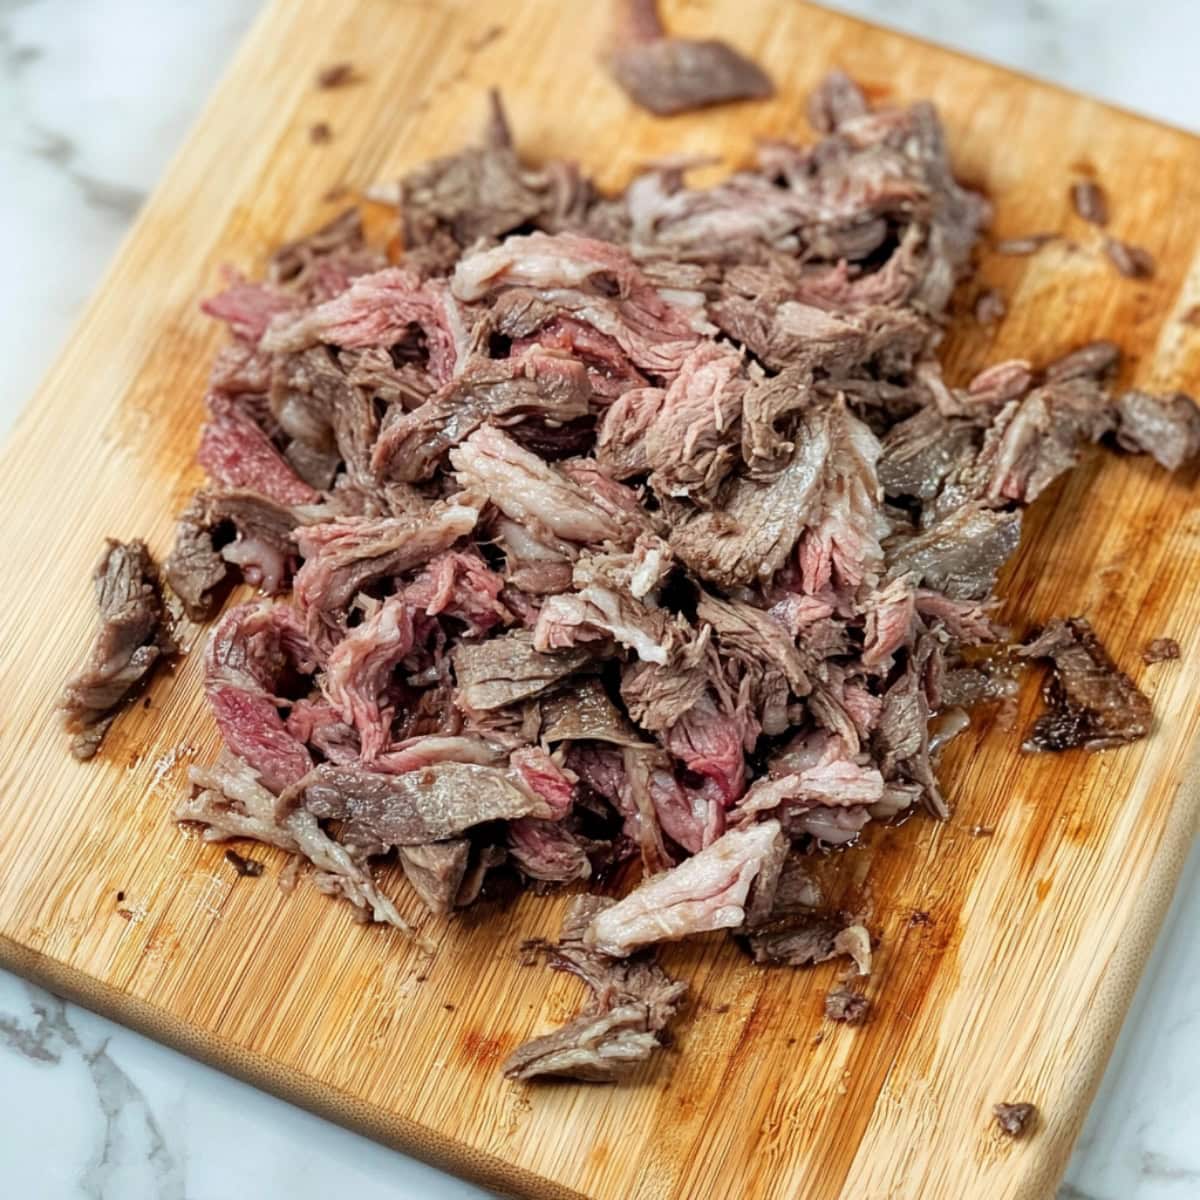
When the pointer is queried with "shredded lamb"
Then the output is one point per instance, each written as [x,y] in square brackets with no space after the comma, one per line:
[602,528]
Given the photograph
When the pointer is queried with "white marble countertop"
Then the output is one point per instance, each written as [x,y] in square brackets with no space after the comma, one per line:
[94,99]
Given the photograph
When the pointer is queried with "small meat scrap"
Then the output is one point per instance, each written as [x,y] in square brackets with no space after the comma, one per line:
[633,999]
[1165,427]
[1160,650]
[1091,703]
[989,307]
[337,75]
[243,866]
[670,75]
[1131,261]
[1020,247]
[319,133]
[844,1004]
[1016,1119]
[1089,201]
[1096,360]
[130,640]
[805,939]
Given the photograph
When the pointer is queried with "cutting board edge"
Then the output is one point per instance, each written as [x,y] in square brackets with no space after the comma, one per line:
[1106,1016]
[285,1083]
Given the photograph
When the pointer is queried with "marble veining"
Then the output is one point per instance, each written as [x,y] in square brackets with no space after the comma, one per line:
[94,99]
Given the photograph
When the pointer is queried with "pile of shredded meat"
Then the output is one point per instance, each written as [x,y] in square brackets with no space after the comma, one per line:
[600,528]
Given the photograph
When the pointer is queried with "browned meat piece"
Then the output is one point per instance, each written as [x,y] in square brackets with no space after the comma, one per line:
[658,696]
[194,569]
[705,892]
[845,1005]
[621,445]
[962,554]
[803,939]
[755,525]
[130,639]
[1016,1119]
[436,872]
[582,711]
[1089,201]
[921,452]
[485,192]
[430,804]
[1160,650]
[668,75]
[633,999]
[538,385]
[1090,701]
[320,264]
[756,638]
[1131,261]
[507,669]
[1034,441]
[1165,427]
[1097,360]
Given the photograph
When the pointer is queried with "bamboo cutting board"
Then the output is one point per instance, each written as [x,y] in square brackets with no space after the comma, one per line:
[1005,962]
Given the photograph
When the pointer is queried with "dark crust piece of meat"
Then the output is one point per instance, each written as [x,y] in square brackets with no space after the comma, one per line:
[1165,427]
[669,75]
[847,1006]
[632,1001]
[1089,201]
[1160,650]
[1090,701]
[130,639]
[805,938]
[1016,1120]
[504,670]
[1131,261]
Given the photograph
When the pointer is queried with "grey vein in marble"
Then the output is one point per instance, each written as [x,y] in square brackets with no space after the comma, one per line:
[131,1142]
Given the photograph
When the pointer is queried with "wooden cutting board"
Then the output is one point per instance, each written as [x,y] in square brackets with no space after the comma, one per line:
[1005,962]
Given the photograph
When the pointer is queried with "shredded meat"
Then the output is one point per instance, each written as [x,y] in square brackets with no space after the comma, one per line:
[633,999]
[596,528]
[130,639]
[1090,702]
[1016,1120]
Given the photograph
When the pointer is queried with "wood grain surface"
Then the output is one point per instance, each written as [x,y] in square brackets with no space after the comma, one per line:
[1005,962]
